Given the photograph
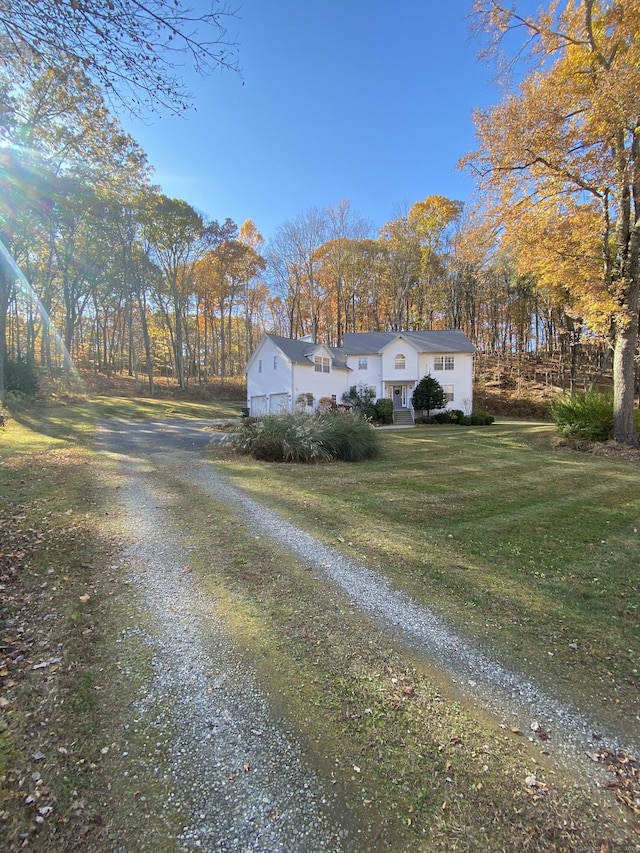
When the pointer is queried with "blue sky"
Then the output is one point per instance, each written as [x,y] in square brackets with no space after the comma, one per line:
[366,100]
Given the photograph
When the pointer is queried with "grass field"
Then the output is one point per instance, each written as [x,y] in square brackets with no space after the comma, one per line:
[529,548]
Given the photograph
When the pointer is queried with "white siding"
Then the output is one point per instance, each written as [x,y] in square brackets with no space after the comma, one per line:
[271,380]
[389,371]
[307,381]
[461,377]
[372,376]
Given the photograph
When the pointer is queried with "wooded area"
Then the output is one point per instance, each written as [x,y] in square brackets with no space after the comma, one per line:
[99,267]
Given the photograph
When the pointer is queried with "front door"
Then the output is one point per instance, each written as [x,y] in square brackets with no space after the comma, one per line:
[399,396]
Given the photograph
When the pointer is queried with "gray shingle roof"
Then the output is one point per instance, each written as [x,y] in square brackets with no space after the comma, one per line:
[300,352]
[369,343]
[449,340]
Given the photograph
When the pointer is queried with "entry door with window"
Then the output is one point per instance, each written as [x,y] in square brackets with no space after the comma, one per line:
[399,396]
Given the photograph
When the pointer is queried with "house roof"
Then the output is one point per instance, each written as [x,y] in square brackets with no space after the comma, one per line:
[450,340]
[370,343]
[302,352]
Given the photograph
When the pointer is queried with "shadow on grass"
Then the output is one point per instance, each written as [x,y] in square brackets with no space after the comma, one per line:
[75,422]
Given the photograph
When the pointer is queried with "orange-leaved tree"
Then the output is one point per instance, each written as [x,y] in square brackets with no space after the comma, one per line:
[559,159]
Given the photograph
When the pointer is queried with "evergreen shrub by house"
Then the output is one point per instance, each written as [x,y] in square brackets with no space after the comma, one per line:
[428,395]
[298,437]
[457,416]
[384,410]
[584,417]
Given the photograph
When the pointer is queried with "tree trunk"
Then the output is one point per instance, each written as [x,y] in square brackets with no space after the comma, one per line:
[147,343]
[6,286]
[624,430]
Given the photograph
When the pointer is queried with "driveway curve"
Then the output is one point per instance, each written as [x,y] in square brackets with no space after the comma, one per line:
[278,804]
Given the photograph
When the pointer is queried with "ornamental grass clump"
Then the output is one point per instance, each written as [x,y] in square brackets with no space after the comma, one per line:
[298,437]
[584,417]
[348,437]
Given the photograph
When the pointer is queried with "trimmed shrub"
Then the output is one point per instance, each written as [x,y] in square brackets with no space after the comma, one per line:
[481,418]
[384,410]
[457,416]
[298,437]
[584,417]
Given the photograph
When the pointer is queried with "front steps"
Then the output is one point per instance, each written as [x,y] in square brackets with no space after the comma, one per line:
[402,417]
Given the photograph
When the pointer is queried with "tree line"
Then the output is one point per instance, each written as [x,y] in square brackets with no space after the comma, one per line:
[98,264]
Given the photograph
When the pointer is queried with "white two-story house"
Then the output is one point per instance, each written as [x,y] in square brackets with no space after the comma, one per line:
[282,373]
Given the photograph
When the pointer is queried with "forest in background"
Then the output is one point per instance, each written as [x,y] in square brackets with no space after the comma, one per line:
[108,272]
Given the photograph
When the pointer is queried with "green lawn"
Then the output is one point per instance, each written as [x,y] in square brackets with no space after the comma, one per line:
[75,422]
[491,526]
[531,549]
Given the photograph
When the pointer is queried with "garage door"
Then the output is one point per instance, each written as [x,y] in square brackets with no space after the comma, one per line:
[259,406]
[278,403]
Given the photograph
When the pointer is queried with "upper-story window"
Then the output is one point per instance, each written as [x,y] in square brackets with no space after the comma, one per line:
[321,364]
[400,361]
[443,362]
[363,364]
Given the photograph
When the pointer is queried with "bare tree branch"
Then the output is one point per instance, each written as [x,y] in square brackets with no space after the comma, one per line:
[133,49]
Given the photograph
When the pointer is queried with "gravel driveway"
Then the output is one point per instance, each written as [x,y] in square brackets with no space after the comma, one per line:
[275,801]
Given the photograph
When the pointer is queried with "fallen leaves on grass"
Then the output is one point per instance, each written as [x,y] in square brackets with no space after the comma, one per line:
[626,781]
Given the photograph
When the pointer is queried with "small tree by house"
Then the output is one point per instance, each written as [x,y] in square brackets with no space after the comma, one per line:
[361,398]
[428,395]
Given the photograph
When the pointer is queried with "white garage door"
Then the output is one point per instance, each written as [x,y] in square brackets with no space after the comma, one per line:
[278,403]
[259,406]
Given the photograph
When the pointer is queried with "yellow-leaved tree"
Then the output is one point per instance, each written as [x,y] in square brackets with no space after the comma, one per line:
[559,163]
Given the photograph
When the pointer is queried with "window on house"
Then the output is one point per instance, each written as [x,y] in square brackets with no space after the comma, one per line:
[275,362]
[400,362]
[448,393]
[321,365]
[259,365]
[363,364]
[448,362]
[438,362]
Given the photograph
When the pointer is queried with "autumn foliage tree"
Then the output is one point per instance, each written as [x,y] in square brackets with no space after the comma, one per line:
[559,159]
